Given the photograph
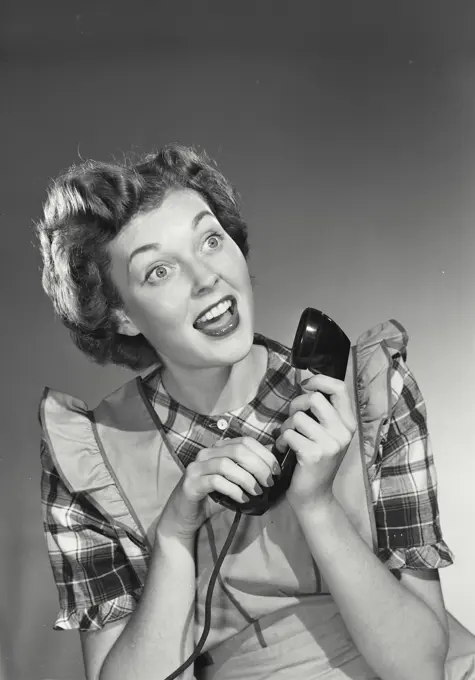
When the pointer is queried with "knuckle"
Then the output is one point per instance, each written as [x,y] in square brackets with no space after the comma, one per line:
[346,438]
[191,470]
[238,454]
[336,449]
[298,406]
[341,387]
[316,398]
[224,465]
[286,435]
[350,431]
[285,424]
[201,456]
[331,450]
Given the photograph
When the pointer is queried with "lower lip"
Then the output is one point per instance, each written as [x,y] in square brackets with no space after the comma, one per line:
[226,330]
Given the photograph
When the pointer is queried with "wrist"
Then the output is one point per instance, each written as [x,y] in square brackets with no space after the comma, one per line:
[170,538]
[318,510]
[171,528]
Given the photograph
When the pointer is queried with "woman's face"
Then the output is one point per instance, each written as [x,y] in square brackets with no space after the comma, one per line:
[172,266]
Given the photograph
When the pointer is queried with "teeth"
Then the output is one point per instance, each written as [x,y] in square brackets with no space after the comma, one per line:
[215,311]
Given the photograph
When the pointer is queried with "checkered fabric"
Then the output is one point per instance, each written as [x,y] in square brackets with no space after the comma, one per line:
[95,565]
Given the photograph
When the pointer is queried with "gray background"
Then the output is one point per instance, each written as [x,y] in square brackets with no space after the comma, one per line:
[349,131]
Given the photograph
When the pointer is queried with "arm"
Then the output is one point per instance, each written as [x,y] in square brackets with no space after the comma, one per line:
[160,633]
[98,589]
[397,631]
[144,645]
[399,625]
[123,639]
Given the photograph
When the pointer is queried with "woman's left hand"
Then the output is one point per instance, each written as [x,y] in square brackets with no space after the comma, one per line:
[319,446]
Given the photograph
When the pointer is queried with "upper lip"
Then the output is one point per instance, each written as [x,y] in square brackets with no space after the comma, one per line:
[223,299]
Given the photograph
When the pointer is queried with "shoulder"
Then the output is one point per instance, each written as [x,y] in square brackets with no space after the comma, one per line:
[69,440]
[378,353]
[65,410]
[381,361]
[389,337]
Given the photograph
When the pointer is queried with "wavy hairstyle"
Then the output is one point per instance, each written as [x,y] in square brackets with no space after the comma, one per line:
[86,208]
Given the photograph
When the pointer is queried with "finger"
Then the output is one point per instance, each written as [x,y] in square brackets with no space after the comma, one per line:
[324,383]
[305,450]
[318,405]
[225,467]
[222,485]
[305,424]
[265,453]
[239,444]
[329,441]
[241,458]
[337,391]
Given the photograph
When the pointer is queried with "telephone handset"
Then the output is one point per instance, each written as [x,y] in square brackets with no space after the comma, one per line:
[320,346]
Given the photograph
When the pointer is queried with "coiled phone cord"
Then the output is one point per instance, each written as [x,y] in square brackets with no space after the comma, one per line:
[209,595]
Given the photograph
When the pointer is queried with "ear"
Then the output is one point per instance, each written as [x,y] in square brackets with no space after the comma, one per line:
[124,324]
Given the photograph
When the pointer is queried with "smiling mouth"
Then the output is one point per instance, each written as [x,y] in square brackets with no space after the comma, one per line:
[219,320]
[215,312]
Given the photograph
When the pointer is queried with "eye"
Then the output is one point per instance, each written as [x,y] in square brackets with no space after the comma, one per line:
[158,273]
[213,241]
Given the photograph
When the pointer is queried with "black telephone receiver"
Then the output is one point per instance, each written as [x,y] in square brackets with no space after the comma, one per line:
[320,346]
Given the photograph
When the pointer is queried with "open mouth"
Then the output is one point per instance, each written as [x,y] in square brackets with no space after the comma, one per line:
[220,319]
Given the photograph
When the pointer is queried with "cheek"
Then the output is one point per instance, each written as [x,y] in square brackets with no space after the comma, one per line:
[159,312]
[234,265]
[161,309]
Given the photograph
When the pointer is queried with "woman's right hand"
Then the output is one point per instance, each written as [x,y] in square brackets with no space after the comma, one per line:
[233,467]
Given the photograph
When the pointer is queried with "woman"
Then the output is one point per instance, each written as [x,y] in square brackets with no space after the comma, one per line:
[146,265]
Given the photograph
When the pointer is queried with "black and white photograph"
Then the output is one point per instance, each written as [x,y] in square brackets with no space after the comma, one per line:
[238,340]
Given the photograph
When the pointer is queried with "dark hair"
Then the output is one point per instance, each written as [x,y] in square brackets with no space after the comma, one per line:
[86,208]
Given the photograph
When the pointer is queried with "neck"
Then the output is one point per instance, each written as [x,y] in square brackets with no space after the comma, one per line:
[212,391]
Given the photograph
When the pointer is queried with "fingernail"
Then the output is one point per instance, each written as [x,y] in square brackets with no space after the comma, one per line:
[270,481]
[257,488]
[276,468]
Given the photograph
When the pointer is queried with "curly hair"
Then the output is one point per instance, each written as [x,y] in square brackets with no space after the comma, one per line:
[86,208]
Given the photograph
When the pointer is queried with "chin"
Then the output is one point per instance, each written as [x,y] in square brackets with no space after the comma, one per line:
[240,349]
[237,347]
[232,349]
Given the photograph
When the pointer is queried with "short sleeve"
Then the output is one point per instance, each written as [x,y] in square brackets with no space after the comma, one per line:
[404,482]
[95,580]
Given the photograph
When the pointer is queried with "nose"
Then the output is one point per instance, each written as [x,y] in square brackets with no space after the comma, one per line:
[204,279]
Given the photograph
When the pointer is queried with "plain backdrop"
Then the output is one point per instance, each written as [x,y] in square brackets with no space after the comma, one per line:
[349,131]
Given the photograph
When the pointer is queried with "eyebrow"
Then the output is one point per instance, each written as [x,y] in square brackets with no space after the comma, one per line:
[156,246]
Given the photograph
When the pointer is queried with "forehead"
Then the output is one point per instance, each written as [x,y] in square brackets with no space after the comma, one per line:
[174,216]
